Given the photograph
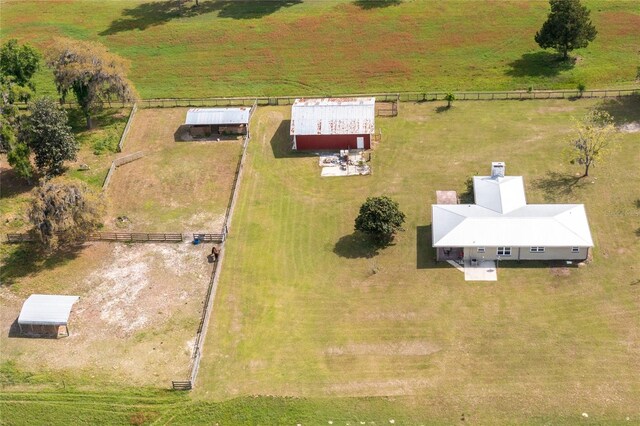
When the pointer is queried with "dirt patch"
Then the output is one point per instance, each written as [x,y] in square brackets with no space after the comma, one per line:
[136,319]
[560,271]
[633,127]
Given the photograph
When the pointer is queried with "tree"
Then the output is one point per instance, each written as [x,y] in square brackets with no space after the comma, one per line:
[47,133]
[449,97]
[381,218]
[92,73]
[595,136]
[64,212]
[19,62]
[568,27]
[19,159]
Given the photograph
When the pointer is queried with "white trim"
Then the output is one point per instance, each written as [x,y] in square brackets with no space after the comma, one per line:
[536,249]
[481,249]
[575,249]
[503,251]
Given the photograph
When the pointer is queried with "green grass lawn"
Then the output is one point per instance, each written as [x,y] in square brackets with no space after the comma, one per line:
[300,47]
[306,309]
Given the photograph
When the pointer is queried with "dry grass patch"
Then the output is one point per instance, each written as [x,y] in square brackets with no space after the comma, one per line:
[176,186]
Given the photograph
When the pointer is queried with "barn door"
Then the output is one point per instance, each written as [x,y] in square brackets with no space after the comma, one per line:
[360,142]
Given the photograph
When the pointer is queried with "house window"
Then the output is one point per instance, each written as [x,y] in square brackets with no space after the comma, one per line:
[480,249]
[536,249]
[575,249]
[504,251]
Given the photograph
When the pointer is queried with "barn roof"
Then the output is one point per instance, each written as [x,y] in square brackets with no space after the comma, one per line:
[333,116]
[205,116]
[46,309]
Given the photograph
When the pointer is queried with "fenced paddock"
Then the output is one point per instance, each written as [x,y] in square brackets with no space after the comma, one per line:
[176,185]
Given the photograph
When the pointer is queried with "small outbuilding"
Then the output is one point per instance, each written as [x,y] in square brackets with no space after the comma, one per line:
[46,315]
[332,123]
[207,122]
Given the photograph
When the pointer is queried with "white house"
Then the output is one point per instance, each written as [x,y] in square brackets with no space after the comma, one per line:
[501,225]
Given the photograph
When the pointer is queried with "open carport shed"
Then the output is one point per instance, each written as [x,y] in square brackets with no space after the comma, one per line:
[46,314]
[204,122]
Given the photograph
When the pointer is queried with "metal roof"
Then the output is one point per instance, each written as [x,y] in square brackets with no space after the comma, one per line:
[501,194]
[46,309]
[502,217]
[544,225]
[333,116]
[214,116]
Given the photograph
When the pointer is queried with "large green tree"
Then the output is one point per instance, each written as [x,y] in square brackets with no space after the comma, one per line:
[19,62]
[381,218]
[91,73]
[64,211]
[47,132]
[568,27]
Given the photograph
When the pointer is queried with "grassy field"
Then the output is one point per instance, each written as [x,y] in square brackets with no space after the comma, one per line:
[305,308]
[308,313]
[332,46]
[176,186]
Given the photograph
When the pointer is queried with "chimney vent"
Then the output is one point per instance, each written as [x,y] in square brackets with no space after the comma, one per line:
[497,169]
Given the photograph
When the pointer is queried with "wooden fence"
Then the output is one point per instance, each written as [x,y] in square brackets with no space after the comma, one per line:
[408,96]
[136,237]
[181,385]
[119,162]
[210,238]
[20,238]
[415,96]
[213,281]
[127,127]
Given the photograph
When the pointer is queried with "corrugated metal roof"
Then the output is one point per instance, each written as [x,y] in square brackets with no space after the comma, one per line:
[214,116]
[333,116]
[46,309]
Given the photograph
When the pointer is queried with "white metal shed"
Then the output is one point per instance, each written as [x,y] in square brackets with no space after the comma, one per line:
[46,310]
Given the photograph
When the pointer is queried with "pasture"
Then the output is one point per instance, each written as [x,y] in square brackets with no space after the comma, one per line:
[134,324]
[306,308]
[295,47]
[175,186]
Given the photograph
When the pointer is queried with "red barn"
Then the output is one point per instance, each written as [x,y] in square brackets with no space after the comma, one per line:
[332,123]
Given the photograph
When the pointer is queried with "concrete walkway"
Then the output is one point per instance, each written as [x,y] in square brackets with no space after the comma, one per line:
[484,271]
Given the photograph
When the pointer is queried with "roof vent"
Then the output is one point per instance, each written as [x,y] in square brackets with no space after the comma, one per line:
[497,169]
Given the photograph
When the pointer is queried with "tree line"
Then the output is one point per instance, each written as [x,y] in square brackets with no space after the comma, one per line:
[39,141]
